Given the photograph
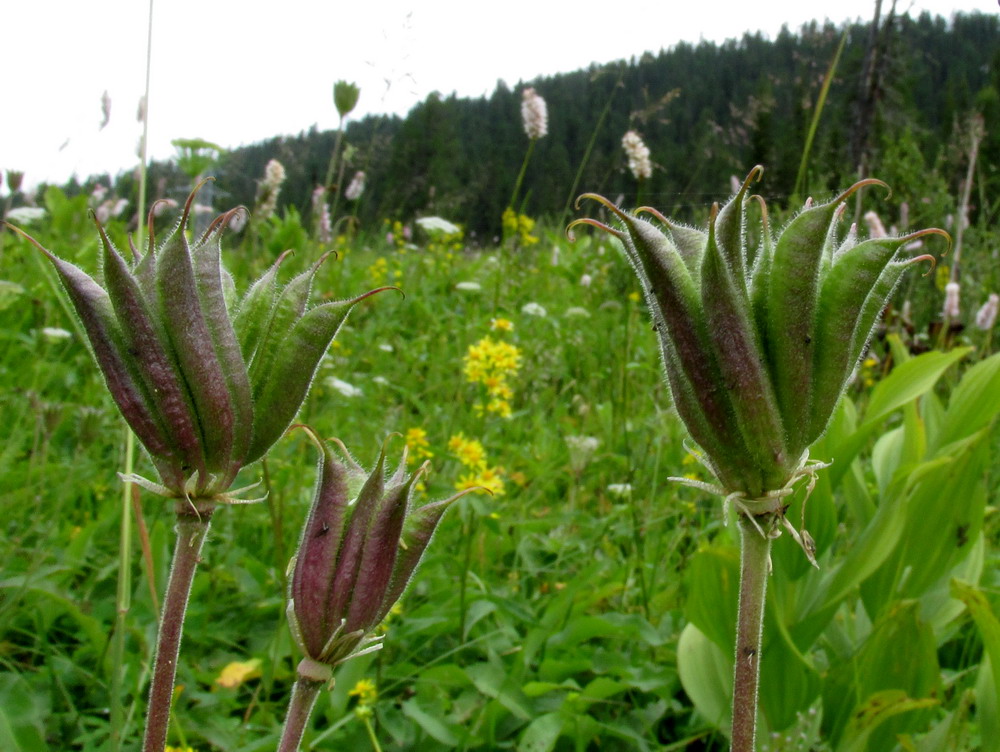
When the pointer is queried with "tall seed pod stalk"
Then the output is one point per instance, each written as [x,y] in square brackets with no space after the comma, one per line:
[758,346]
[206,380]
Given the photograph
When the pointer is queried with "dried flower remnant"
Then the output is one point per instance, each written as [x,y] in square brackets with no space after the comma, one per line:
[986,316]
[534,114]
[638,156]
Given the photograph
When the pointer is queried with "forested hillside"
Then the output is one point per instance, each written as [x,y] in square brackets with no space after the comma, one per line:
[900,99]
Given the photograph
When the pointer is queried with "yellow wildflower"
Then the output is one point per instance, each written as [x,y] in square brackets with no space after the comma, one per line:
[365,691]
[418,446]
[378,271]
[237,672]
[469,452]
[502,325]
[168,748]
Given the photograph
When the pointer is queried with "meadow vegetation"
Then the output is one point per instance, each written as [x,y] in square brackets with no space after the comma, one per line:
[586,602]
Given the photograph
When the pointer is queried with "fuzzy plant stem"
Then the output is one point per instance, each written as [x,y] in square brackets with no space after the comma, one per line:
[307,686]
[754,562]
[193,521]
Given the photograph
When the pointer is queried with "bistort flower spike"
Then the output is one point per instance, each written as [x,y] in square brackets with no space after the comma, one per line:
[206,380]
[760,343]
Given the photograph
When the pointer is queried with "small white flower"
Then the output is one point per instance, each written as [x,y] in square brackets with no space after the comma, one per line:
[576,312]
[469,286]
[586,280]
[555,255]
[54,334]
[986,316]
[620,490]
[386,347]
[951,308]
[534,114]
[356,188]
[581,449]
[437,224]
[875,227]
[534,309]
[638,156]
[25,215]
[380,380]
[348,390]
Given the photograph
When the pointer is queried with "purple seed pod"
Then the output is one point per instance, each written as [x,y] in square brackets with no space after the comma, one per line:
[356,554]
[759,343]
[206,382]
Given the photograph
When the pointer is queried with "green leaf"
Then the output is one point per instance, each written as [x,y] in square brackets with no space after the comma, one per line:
[21,719]
[494,682]
[542,733]
[434,727]
[988,626]
[974,403]
[907,381]
[706,675]
[878,708]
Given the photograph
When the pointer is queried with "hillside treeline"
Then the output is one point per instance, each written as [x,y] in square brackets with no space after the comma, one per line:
[899,106]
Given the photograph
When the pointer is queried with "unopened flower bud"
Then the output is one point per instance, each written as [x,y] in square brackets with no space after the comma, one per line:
[345,97]
[357,553]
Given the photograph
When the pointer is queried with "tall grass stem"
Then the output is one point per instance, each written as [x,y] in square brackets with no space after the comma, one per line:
[800,178]
[123,599]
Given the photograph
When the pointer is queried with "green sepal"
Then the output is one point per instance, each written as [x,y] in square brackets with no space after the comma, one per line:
[729,229]
[742,367]
[152,356]
[206,257]
[254,310]
[287,309]
[854,292]
[791,312]
[191,337]
[296,357]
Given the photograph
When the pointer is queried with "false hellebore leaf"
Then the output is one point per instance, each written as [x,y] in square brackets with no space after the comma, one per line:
[759,343]
[356,555]
[207,383]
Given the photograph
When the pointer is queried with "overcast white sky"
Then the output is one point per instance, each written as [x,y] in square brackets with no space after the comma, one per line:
[239,72]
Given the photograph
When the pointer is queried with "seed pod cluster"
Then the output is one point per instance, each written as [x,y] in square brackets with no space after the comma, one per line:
[207,382]
[356,554]
[760,342]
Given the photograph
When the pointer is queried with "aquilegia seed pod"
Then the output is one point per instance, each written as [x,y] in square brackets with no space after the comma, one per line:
[759,344]
[206,381]
[356,555]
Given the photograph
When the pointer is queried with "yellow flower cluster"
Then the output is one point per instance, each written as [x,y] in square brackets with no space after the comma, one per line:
[519,226]
[471,454]
[168,748]
[378,271]
[417,446]
[365,691]
[491,363]
[502,325]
